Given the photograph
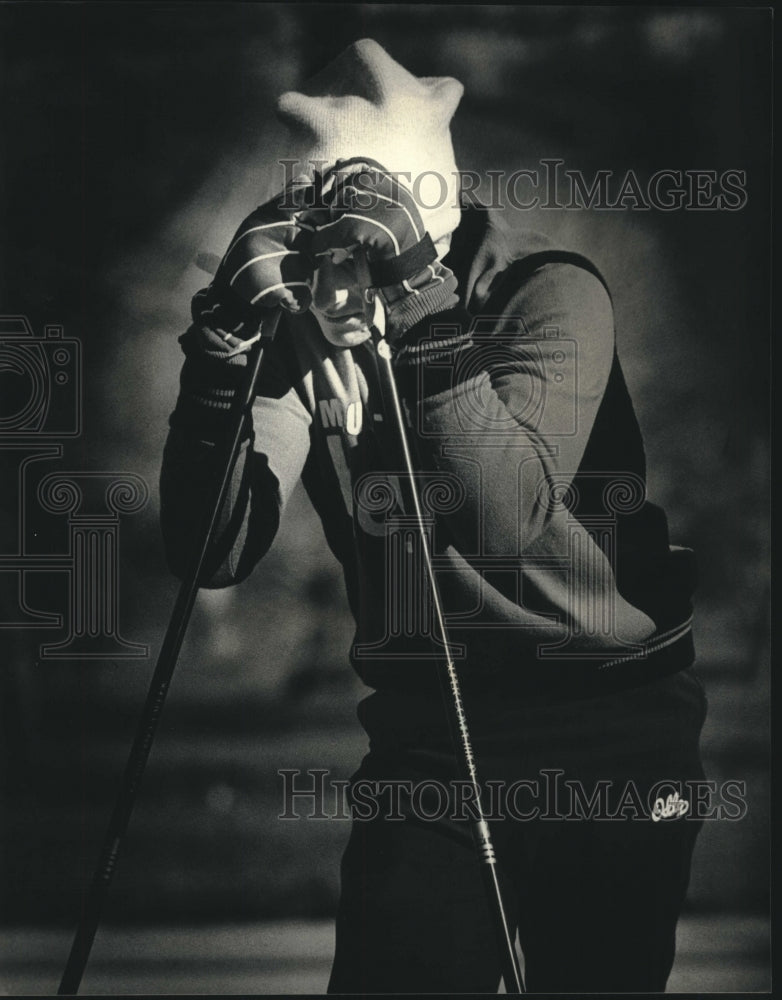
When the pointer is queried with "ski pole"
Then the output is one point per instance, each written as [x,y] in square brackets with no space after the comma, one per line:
[161,679]
[451,690]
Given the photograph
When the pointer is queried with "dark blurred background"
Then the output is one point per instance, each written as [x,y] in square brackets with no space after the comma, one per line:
[132,137]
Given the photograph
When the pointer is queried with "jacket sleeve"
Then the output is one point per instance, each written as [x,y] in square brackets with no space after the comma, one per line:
[273,451]
[505,404]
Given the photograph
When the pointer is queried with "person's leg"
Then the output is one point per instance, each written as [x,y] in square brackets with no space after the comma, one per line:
[413,916]
[600,900]
[602,904]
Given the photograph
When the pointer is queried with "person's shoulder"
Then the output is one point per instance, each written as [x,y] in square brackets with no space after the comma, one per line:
[549,285]
[498,262]
[529,251]
[552,281]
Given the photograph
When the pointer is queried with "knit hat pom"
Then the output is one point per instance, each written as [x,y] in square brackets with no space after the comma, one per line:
[365,104]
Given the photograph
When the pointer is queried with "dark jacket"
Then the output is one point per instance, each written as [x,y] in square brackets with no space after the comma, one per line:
[532,473]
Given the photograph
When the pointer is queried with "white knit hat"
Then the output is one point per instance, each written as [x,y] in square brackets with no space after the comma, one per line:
[366,104]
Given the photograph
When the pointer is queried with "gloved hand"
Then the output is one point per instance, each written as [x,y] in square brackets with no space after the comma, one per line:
[367,207]
[267,264]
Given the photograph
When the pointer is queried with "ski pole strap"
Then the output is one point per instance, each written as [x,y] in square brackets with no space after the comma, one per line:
[410,262]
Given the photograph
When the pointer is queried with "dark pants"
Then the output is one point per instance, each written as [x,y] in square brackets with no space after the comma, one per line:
[595,897]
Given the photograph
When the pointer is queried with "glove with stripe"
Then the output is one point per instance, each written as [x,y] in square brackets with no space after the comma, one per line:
[370,208]
[267,264]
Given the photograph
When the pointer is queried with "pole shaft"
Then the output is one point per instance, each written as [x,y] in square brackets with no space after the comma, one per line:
[156,696]
[454,705]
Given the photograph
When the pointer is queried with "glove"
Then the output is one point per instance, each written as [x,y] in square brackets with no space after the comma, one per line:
[267,264]
[367,207]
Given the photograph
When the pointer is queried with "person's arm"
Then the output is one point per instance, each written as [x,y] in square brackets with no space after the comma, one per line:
[510,407]
[272,455]
[490,408]
[266,266]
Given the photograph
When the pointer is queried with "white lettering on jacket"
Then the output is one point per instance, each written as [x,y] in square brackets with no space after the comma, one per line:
[669,808]
[353,418]
[333,414]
